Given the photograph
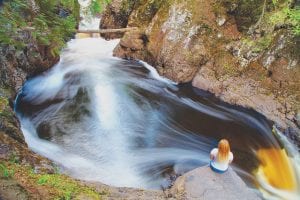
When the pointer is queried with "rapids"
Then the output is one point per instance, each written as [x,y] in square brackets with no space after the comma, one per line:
[118,122]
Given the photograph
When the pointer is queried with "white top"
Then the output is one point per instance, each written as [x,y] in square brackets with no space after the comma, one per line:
[220,165]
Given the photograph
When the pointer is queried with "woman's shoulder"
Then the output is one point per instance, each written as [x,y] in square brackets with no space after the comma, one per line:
[214,151]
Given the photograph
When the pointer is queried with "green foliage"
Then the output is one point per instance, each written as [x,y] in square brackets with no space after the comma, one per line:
[97,6]
[259,44]
[67,188]
[284,14]
[5,172]
[262,43]
[60,187]
[294,18]
[274,2]
[41,21]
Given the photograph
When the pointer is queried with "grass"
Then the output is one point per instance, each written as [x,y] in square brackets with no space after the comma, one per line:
[66,188]
[54,186]
[5,172]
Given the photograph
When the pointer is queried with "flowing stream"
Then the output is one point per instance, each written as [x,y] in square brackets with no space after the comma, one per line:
[118,122]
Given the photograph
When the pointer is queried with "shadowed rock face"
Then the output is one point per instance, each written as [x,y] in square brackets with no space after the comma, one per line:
[206,42]
[203,183]
[116,16]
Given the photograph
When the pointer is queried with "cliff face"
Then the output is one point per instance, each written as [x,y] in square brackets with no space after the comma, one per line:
[245,52]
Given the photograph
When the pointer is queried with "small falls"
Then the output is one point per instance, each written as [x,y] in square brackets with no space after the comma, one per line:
[118,122]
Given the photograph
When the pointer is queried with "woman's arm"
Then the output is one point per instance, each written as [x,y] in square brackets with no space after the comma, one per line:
[230,157]
[213,153]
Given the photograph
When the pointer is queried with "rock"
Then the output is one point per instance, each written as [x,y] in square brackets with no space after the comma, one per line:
[297,118]
[11,190]
[114,193]
[203,183]
[221,20]
[133,40]
[206,80]
[116,16]
[133,46]
[4,152]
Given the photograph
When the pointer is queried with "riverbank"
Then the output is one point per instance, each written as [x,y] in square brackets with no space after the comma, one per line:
[243,62]
[29,45]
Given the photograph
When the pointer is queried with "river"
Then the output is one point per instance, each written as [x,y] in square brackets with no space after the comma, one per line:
[118,122]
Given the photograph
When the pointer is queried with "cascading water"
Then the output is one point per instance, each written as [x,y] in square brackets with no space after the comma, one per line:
[117,122]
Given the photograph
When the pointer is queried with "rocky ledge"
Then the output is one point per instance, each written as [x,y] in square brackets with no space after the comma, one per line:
[203,183]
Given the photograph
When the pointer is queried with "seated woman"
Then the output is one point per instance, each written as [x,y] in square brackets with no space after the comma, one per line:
[221,157]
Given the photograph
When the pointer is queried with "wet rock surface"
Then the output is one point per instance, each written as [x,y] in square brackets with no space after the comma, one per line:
[129,193]
[203,183]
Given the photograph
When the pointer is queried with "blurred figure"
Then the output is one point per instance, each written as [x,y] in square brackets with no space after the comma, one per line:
[221,157]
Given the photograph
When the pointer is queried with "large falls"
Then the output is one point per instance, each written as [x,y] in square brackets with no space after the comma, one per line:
[118,122]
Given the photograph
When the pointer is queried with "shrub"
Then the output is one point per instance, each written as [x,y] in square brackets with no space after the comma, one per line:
[42,22]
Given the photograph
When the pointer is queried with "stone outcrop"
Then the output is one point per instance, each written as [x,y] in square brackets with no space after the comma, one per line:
[116,16]
[203,183]
[218,47]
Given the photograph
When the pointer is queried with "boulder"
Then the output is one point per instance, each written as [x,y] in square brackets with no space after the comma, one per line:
[203,183]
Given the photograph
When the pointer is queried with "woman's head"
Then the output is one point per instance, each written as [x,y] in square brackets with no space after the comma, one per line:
[223,150]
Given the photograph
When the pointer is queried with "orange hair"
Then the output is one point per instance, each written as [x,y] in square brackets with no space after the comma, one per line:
[223,150]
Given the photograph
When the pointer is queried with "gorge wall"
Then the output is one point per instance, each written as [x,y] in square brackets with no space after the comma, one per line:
[244,52]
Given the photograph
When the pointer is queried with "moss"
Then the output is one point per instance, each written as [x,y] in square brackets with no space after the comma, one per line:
[246,12]
[145,11]
[54,186]
[3,104]
[128,6]
[258,45]
[262,43]
[230,69]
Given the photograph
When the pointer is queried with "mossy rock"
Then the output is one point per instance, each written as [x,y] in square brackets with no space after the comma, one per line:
[145,12]
[3,104]
[246,12]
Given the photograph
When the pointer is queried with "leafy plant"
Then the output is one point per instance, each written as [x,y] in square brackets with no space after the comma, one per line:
[97,6]
[275,2]
[5,172]
[20,23]
[294,18]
